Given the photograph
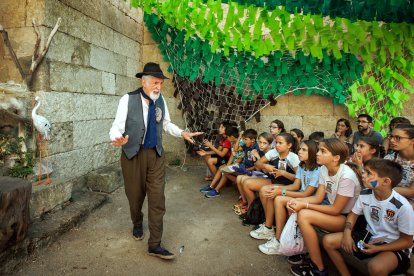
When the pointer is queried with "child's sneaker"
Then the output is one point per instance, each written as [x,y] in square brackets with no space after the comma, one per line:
[262,233]
[206,189]
[305,270]
[212,193]
[271,247]
[297,259]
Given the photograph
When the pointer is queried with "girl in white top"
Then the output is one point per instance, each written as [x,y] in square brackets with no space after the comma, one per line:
[305,185]
[341,185]
[280,164]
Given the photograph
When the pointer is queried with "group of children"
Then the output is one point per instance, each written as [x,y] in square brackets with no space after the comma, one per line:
[342,186]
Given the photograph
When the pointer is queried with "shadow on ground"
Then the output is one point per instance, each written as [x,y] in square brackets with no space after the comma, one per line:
[209,234]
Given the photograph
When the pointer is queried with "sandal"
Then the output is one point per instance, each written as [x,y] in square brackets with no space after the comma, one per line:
[241,211]
[208,178]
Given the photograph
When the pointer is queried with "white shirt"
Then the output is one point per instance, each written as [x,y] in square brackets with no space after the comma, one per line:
[118,126]
[292,158]
[344,183]
[386,218]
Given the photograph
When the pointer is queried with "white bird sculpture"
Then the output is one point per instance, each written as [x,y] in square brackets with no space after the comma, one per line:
[43,127]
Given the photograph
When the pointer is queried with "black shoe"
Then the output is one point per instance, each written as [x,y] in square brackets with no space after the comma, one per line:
[138,233]
[307,270]
[160,252]
[298,259]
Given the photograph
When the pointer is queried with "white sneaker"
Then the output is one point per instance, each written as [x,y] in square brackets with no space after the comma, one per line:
[262,233]
[271,247]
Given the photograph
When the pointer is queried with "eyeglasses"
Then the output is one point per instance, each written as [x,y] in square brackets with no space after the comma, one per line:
[273,127]
[398,138]
[362,122]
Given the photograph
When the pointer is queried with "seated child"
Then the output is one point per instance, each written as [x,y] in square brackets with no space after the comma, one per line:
[235,158]
[342,186]
[249,138]
[366,149]
[276,127]
[280,165]
[221,154]
[305,185]
[393,123]
[402,143]
[317,136]
[388,236]
[264,141]
[297,134]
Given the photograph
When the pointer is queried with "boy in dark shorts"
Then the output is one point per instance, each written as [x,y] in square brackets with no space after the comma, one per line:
[388,237]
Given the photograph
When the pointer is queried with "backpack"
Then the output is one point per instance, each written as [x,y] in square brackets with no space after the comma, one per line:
[255,215]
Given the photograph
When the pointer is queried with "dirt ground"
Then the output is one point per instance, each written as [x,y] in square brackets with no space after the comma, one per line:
[205,234]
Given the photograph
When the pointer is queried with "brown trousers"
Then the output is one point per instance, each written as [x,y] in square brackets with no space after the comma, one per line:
[145,174]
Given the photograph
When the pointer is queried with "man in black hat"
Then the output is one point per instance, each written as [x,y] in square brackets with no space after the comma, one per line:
[140,120]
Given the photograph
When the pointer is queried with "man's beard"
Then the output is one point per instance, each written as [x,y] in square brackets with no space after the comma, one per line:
[154,96]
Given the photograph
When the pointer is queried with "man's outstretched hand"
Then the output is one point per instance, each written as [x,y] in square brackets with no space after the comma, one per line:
[120,141]
[189,135]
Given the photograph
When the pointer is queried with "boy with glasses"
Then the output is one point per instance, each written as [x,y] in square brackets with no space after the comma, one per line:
[364,122]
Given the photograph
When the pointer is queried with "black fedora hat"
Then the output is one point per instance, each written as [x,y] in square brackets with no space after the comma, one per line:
[152,69]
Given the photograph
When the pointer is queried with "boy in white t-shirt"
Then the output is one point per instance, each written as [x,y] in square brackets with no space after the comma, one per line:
[388,236]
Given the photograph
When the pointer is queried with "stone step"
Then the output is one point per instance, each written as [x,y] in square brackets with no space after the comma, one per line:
[47,229]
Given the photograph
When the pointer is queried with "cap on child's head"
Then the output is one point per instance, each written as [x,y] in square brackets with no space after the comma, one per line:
[386,168]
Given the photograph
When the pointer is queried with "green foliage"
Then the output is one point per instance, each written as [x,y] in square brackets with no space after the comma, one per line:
[12,146]
[385,49]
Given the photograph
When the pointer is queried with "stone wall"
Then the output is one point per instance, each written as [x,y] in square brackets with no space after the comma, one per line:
[92,61]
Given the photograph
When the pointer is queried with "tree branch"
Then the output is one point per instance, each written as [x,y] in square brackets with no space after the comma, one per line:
[37,58]
[15,116]
[12,53]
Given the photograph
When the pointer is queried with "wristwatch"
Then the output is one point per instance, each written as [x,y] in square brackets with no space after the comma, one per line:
[284,192]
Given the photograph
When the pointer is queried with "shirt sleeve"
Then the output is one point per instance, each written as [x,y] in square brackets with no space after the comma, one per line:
[293,160]
[314,178]
[118,126]
[346,187]
[298,174]
[168,126]
[406,220]
[227,144]
[357,209]
[271,154]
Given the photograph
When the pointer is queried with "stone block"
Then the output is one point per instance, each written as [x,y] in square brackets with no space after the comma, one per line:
[126,84]
[106,179]
[45,198]
[111,16]
[89,133]
[132,66]
[108,83]
[84,107]
[106,106]
[8,70]
[310,105]
[326,124]
[114,2]
[70,164]
[341,111]
[35,9]
[91,8]
[23,40]
[280,109]
[57,106]
[68,49]
[78,24]
[126,46]
[73,78]
[13,13]
[408,106]
[41,77]
[289,122]
[61,138]
[137,14]
[105,154]
[108,61]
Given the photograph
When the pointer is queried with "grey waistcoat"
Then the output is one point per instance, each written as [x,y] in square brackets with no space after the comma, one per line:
[135,127]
